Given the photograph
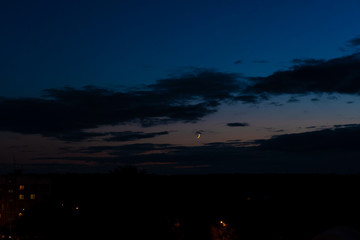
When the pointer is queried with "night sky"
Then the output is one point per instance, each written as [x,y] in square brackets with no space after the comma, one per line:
[180,87]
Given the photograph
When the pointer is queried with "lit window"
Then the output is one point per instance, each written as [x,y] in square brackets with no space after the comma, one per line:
[32,196]
[21,187]
[21,197]
[10,191]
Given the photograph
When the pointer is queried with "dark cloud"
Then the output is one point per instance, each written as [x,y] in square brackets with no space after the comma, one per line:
[168,149]
[275,130]
[238,62]
[340,138]
[131,136]
[65,113]
[279,130]
[328,150]
[306,62]
[76,136]
[276,104]
[68,114]
[128,149]
[247,98]
[315,99]
[346,125]
[199,132]
[207,85]
[355,42]
[338,75]
[332,97]
[237,124]
[293,100]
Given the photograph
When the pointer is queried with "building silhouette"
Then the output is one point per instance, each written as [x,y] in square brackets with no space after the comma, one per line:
[19,193]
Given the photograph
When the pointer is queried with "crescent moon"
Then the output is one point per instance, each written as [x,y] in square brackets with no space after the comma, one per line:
[198,136]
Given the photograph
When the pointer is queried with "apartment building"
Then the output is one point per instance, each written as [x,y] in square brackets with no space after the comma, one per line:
[18,193]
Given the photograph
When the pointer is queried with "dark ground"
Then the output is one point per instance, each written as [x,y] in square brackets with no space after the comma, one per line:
[139,206]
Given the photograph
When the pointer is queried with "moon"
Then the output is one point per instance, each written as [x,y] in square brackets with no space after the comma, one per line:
[197,133]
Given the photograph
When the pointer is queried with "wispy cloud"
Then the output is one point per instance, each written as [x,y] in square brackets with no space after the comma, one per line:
[338,75]
[323,150]
[354,42]
[237,124]
[341,138]
[132,136]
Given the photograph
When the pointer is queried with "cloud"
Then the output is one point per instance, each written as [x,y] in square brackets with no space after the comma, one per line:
[338,75]
[238,62]
[279,130]
[76,136]
[203,84]
[306,62]
[293,100]
[275,130]
[248,98]
[167,149]
[346,125]
[237,124]
[327,151]
[128,149]
[171,157]
[67,112]
[332,97]
[340,138]
[276,104]
[131,136]
[199,132]
[355,42]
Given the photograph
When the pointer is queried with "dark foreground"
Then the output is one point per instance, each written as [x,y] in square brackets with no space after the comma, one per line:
[137,206]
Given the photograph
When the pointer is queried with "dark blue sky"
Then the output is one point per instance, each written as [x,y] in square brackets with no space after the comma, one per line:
[237,72]
[47,44]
